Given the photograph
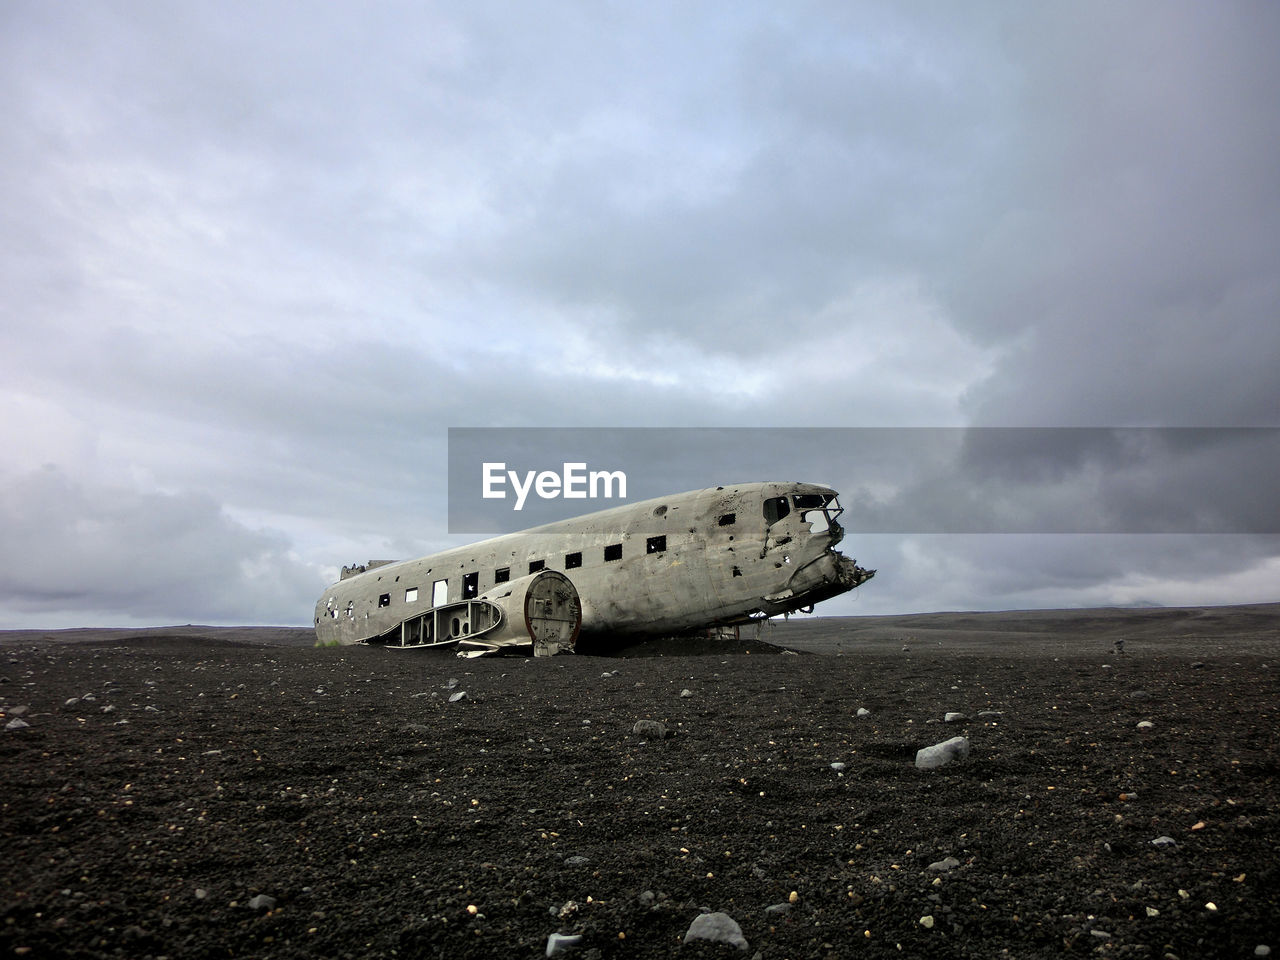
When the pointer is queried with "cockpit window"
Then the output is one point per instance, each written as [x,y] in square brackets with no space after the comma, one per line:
[775,508]
[807,501]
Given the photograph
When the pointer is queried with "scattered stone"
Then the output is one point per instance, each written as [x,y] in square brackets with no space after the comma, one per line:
[455,697]
[647,899]
[1146,725]
[838,767]
[262,902]
[944,865]
[953,717]
[1100,934]
[562,943]
[449,684]
[1165,843]
[718,928]
[109,708]
[17,723]
[1262,950]
[927,922]
[651,728]
[1139,695]
[778,909]
[71,701]
[201,893]
[863,712]
[940,754]
[686,692]
[991,713]
[1198,665]
[18,711]
[576,861]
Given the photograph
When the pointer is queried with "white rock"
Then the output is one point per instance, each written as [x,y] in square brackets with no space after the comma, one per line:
[863,712]
[838,767]
[562,942]
[953,717]
[927,922]
[940,754]
[16,724]
[718,928]
[1145,725]
[460,695]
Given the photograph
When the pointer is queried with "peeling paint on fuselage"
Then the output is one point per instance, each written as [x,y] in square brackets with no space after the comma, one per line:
[720,556]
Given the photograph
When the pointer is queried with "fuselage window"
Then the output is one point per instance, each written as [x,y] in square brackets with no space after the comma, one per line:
[502,575]
[728,520]
[613,552]
[470,585]
[536,565]
[656,544]
[775,508]
[411,595]
[572,561]
[384,600]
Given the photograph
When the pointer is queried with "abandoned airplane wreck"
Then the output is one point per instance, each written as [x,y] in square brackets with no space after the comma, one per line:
[673,565]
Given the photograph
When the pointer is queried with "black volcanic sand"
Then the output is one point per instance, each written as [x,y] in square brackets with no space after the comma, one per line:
[213,765]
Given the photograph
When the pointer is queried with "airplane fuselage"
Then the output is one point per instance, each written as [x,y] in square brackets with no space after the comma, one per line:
[714,557]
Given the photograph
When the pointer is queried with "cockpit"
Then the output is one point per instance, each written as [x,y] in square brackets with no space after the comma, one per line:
[819,510]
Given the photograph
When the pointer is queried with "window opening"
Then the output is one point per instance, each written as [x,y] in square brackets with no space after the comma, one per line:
[411,595]
[775,508]
[656,544]
[807,501]
[536,565]
[384,600]
[613,552]
[502,575]
[728,520]
[572,560]
[470,585]
[440,593]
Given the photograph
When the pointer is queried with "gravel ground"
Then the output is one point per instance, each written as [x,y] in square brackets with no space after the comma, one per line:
[204,792]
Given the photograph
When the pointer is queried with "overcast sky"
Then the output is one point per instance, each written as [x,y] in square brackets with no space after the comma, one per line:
[257,258]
